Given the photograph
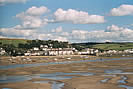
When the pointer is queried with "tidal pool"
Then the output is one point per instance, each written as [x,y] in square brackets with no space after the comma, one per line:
[53,76]
[127,87]
[10,79]
[55,84]
[123,80]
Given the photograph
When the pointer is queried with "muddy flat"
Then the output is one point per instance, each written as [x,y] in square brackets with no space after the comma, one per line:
[99,74]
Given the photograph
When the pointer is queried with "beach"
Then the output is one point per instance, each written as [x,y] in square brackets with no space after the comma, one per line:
[86,73]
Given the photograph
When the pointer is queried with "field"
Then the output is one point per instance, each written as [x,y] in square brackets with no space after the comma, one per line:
[113,46]
[15,42]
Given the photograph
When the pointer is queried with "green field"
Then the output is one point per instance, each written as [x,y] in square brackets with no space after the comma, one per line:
[15,42]
[114,46]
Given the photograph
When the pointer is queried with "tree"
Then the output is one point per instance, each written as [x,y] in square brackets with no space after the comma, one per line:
[9,48]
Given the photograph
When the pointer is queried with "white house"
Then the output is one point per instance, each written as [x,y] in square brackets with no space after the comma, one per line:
[89,51]
[35,49]
[60,51]
[2,51]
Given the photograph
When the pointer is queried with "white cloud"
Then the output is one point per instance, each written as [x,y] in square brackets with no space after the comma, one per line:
[65,34]
[12,32]
[44,36]
[57,30]
[37,11]
[3,2]
[77,17]
[59,38]
[18,32]
[33,17]
[112,33]
[79,34]
[114,28]
[122,10]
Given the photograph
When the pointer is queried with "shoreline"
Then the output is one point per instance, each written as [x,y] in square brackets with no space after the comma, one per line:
[7,60]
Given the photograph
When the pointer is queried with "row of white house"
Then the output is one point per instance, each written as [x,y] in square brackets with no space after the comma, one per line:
[51,51]
[72,51]
[88,51]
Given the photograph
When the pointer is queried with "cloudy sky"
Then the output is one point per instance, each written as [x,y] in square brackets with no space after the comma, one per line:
[67,20]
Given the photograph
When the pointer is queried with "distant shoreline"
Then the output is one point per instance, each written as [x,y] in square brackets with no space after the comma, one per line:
[8,60]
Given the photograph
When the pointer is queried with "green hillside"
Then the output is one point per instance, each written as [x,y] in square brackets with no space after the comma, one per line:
[104,46]
[79,46]
[15,42]
[113,46]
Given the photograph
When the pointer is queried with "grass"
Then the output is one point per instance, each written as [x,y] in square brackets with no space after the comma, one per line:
[114,46]
[15,42]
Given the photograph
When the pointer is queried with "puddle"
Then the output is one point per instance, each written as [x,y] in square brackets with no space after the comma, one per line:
[110,75]
[9,79]
[55,77]
[105,80]
[78,71]
[41,82]
[60,75]
[123,80]
[125,86]
[113,71]
[66,62]
[6,88]
[57,85]
[116,71]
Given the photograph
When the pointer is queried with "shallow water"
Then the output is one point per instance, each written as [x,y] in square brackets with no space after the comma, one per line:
[10,79]
[123,80]
[116,71]
[55,84]
[41,82]
[127,87]
[104,80]
[66,62]
[113,71]
[53,76]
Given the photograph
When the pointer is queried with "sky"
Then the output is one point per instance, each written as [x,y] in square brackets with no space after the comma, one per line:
[67,20]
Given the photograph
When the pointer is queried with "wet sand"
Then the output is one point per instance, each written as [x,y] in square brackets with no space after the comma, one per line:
[95,81]
[7,60]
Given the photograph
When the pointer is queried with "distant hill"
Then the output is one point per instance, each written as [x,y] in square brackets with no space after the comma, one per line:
[114,46]
[15,42]
[105,46]
[79,46]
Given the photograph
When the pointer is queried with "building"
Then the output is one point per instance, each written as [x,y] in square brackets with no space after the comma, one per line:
[2,51]
[50,51]
[88,51]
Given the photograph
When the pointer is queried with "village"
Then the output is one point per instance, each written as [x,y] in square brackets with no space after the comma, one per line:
[45,50]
